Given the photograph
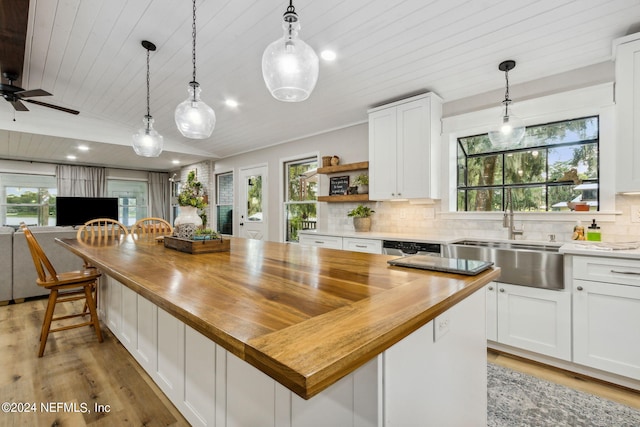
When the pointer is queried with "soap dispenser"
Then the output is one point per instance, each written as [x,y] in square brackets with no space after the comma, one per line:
[593,232]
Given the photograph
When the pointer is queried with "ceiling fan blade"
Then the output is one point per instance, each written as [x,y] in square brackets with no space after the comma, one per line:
[55,107]
[30,93]
[19,106]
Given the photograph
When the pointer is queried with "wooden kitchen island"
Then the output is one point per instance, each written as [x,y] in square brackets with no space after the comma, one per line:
[273,334]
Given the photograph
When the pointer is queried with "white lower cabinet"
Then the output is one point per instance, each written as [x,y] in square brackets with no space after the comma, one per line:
[606,315]
[320,241]
[356,244]
[538,320]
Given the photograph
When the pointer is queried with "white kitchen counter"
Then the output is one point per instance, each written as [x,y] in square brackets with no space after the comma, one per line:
[404,237]
[601,249]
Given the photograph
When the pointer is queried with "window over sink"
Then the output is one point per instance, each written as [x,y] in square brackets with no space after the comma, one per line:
[554,168]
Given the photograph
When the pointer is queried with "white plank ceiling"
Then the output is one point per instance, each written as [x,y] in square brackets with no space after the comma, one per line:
[88,54]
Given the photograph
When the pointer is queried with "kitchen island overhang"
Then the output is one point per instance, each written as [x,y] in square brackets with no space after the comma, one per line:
[304,316]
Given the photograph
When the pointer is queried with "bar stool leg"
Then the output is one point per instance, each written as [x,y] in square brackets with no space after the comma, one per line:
[92,309]
[46,325]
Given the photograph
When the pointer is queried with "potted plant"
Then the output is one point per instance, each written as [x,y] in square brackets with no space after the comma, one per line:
[362,182]
[361,217]
[190,199]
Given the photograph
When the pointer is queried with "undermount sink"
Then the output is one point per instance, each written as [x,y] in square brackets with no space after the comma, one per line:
[521,263]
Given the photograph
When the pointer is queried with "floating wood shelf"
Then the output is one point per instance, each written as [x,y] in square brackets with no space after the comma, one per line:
[343,168]
[345,198]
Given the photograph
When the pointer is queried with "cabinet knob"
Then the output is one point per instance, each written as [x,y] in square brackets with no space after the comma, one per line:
[580,288]
[393,194]
[501,289]
[490,288]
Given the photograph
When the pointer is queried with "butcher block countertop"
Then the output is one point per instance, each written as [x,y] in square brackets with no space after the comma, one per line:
[305,316]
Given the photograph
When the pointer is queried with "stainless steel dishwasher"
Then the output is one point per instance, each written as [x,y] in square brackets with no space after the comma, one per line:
[402,248]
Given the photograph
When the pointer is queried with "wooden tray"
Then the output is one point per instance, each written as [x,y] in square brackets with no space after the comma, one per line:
[197,246]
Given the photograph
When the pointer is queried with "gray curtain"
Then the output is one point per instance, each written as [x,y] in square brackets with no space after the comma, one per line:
[159,194]
[81,181]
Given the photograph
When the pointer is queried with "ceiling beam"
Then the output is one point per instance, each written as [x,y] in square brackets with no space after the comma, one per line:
[13,33]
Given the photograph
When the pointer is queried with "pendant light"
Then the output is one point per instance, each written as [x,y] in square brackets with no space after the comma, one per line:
[289,65]
[148,142]
[510,129]
[194,118]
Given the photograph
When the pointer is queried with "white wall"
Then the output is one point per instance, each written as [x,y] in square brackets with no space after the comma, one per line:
[350,144]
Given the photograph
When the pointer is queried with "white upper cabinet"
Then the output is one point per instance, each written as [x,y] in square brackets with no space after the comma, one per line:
[404,149]
[627,54]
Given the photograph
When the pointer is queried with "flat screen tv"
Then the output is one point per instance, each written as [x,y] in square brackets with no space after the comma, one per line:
[78,210]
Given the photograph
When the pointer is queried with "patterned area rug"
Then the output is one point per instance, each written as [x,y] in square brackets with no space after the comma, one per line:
[517,399]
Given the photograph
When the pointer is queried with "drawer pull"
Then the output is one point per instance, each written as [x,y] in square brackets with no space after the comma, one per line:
[320,242]
[633,273]
[361,246]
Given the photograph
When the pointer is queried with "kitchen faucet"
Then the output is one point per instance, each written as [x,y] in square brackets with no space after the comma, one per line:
[507,220]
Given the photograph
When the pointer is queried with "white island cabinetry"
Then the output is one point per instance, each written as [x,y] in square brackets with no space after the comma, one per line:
[210,386]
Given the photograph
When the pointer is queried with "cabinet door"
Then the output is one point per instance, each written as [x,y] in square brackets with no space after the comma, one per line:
[606,327]
[114,305]
[534,319]
[628,116]
[382,154]
[491,291]
[413,162]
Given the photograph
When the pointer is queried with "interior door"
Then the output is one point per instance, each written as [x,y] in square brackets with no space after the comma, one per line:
[253,203]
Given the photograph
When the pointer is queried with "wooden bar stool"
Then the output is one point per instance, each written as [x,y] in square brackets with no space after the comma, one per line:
[101,230]
[151,228]
[63,287]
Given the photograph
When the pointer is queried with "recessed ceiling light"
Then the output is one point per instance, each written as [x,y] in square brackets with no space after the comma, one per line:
[83,148]
[175,162]
[231,103]
[71,157]
[328,55]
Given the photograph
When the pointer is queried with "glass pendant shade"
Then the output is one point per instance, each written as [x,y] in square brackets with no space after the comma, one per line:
[509,131]
[148,142]
[290,66]
[194,118]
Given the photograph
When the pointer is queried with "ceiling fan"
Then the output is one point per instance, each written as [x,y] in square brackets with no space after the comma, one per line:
[15,95]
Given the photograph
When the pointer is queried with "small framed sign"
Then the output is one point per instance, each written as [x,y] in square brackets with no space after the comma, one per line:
[338,185]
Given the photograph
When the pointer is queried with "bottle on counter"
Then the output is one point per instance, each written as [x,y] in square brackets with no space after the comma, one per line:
[593,232]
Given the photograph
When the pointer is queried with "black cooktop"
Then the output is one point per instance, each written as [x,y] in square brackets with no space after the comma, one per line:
[469,267]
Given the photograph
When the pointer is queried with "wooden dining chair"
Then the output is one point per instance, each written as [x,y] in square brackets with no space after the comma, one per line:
[102,229]
[151,228]
[63,287]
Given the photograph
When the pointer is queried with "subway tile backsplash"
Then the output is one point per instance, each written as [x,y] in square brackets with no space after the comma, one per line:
[426,220]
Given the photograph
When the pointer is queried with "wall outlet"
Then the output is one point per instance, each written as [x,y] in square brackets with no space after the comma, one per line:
[403,214]
[635,213]
[441,326]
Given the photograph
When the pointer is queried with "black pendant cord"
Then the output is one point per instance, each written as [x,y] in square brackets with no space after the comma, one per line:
[194,82]
[148,90]
[149,47]
[506,101]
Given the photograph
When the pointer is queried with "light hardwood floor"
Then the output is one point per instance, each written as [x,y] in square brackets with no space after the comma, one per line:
[77,369]
[589,385]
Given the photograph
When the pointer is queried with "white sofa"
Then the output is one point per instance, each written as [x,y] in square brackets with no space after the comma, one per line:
[24,272]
